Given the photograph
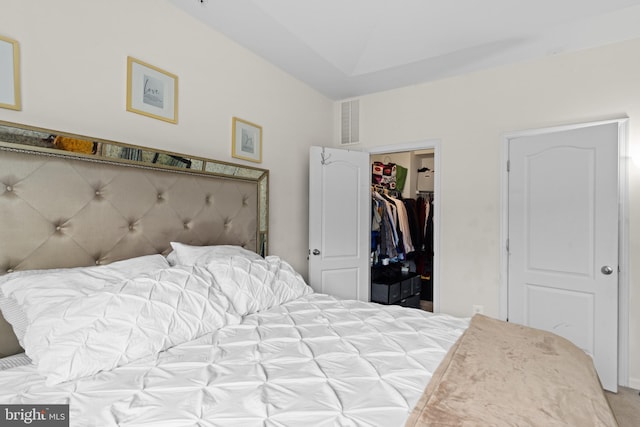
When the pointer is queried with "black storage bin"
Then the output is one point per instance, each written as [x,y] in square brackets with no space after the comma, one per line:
[412,301]
[390,285]
[385,293]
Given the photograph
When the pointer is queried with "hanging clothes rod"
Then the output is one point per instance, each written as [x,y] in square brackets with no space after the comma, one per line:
[382,189]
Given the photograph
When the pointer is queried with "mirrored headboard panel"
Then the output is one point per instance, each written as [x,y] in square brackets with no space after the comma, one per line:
[56,143]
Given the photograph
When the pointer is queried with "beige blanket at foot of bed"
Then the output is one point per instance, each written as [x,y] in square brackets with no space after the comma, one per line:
[503,374]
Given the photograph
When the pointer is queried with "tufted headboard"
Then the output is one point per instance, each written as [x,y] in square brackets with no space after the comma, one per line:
[61,211]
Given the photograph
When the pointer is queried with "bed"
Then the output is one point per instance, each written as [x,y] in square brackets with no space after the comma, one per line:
[141,300]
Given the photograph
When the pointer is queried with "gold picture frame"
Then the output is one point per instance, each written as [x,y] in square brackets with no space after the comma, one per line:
[246,140]
[10,74]
[151,91]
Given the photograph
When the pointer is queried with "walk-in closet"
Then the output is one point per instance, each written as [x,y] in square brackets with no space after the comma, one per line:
[402,228]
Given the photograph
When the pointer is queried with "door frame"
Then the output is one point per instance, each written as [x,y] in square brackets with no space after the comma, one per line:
[426,144]
[623,230]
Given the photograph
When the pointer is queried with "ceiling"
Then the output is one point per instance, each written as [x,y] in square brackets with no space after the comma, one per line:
[348,48]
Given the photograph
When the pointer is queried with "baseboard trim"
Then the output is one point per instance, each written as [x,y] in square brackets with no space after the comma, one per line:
[634,383]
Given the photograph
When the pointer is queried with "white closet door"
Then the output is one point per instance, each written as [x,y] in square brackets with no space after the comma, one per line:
[563,239]
[339,222]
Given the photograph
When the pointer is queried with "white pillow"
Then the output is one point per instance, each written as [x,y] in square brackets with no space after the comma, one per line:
[172,258]
[74,335]
[256,285]
[14,315]
[79,277]
[201,255]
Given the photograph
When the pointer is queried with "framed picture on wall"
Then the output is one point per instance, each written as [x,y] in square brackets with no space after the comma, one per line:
[246,140]
[9,74]
[151,91]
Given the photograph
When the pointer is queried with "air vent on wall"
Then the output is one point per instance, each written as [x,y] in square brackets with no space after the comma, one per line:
[350,122]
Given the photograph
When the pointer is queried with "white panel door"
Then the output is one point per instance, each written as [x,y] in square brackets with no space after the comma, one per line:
[563,239]
[339,233]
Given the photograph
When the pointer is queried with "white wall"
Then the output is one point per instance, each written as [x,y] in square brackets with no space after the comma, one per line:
[74,55]
[470,115]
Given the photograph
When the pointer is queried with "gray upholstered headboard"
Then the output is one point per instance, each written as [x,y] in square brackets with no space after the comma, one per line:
[58,211]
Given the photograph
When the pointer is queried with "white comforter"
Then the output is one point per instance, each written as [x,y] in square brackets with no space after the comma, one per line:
[313,361]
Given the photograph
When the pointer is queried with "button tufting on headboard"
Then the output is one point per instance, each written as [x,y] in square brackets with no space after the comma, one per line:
[56,222]
[73,212]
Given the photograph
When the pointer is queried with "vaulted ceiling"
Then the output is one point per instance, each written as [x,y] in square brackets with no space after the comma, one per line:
[348,48]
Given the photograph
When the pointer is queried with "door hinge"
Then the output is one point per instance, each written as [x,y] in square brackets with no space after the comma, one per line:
[507,245]
[508,165]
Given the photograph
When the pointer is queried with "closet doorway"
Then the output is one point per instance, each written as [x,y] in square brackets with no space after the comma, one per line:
[420,183]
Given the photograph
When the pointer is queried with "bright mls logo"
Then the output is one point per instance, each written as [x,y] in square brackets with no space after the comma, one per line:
[34,415]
